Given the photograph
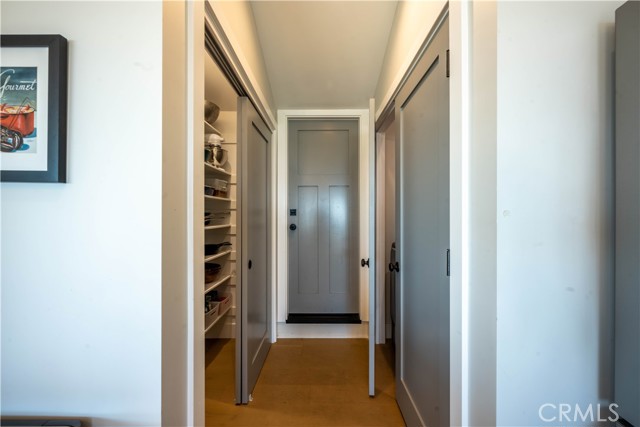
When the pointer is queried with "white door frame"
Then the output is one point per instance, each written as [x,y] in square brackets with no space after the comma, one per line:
[197,13]
[282,185]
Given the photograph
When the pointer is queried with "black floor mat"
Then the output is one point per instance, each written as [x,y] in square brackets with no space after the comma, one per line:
[324,318]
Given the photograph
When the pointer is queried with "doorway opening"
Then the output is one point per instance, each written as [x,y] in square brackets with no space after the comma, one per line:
[386,232]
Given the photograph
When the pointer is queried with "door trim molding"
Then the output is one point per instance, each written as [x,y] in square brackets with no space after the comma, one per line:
[281,197]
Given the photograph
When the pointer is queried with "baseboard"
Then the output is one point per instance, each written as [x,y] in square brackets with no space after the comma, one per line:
[292,330]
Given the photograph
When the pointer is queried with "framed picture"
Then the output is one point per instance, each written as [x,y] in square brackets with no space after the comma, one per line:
[33,108]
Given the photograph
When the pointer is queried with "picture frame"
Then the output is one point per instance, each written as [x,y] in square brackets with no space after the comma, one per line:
[33,108]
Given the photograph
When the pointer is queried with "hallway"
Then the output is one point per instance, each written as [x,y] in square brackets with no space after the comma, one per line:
[304,382]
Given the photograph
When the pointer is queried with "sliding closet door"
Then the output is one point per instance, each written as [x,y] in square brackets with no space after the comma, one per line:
[422,150]
[255,284]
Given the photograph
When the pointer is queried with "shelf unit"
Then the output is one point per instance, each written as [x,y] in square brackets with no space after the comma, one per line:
[219,199]
[224,324]
[216,227]
[220,316]
[211,170]
[209,129]
[213,285]
[216,256]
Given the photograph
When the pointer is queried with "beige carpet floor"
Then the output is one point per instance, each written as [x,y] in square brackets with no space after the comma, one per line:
[305,382]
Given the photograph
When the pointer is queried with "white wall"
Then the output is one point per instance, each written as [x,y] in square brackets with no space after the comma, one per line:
[554,206]
[412,23]
[236,17]
[81,262]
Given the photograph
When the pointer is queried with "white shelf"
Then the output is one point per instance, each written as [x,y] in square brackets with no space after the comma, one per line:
[208,129]
[220,199]
[216,256]
[220,316]
[217,227]
[211,286]
[213,170]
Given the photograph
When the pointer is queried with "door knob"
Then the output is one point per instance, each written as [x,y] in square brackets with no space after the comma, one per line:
[363,262]
[292,227]
[394,267]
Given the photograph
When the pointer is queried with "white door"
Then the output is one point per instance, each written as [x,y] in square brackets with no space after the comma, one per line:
[422,158]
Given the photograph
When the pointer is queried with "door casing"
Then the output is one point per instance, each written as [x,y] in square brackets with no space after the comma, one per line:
[282,202]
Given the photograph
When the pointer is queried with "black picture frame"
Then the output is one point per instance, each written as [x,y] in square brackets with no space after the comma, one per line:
[56,102]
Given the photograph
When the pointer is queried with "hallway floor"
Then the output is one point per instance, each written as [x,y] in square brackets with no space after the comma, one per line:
[304,382]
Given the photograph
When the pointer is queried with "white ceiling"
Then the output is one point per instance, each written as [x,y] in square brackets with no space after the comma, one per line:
[323,54]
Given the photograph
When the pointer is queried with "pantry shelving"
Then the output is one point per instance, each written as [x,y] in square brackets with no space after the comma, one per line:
[220,227]
[217,319]
[209,129]
[217,227]
[217,256]
[211,170]
[213,285]
[219,199]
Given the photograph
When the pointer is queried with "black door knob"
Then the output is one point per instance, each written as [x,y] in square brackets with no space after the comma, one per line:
[396,267]
[363,262]
[293,227]
[250,264]
[391,267]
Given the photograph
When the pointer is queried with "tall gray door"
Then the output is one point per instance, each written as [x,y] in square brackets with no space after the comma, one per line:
[323,216]
[627,179]
[422,159]
[255,289]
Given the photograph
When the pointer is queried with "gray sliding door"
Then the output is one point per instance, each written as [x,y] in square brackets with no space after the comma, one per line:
[254,338]
[422,159]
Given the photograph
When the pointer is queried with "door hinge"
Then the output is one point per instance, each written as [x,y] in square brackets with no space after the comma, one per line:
[448,64]
[448,262]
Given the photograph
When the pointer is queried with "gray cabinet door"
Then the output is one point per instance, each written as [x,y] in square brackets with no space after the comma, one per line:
[627,264]
[255,285]
[323,203]
[422,159]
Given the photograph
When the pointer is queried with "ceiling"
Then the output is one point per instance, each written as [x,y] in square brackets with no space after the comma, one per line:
[323,54]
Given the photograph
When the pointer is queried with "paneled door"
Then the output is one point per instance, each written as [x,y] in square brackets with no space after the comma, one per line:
[254,340]
[422,237]
[323,217]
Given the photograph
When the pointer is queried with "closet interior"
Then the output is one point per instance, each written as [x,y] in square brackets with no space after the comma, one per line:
[221,219]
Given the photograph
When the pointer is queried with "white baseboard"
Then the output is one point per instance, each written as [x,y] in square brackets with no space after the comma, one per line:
[296,330]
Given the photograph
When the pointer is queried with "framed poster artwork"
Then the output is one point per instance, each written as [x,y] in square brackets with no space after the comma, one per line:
[33,108]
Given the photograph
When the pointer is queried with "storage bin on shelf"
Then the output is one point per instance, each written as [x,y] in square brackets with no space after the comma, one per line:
[212,313]
[224,299]
[220,187]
